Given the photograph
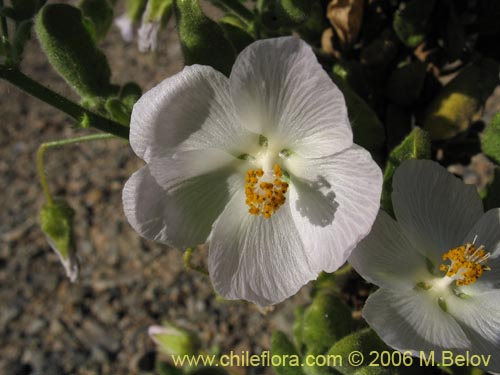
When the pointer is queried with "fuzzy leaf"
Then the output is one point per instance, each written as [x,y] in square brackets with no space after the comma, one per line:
[415,146]
[411,21]
[202,40]
[326,320]
[100,16]
[282,346]
[71,50]
[458,103]
[491,139]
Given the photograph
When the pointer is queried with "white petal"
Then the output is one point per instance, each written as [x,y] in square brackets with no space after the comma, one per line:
[334,202]
[183,218]
[282,92]
[435,208]
[412,320]
[126,26]
[147,36]
[479,317]
[188,111]
[257,259]
[387,258]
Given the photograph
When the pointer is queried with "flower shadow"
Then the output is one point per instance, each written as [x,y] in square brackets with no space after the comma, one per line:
[316,200]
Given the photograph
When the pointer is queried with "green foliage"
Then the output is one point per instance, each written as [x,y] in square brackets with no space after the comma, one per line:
[298,327]
[158,10]
[491,139]
[56,221]
[415,146]
[71,50]
[163,368]
[326,320]
[135,9]
[130,94]
[492,192]
[173,340]
[99,14]
[236,32]
[281,346]
[411,21]
[118,111]
[295,11]
[458,103]
[364,341]
[21,36]
[202,40]
[368,130]
[25,9]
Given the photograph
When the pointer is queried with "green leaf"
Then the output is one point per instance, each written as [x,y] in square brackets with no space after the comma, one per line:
[158,10]
[415,146]
[367,128]
[202,40]
[173,340]
[458,103]
[135,9]
[295,11]
[100,16]
[490,140]
[492,192]
[21,36]
[130,94]
[298,327]
[405,83]
[326,320]
[282,346]
[364,341]
[71,50]
[411,21]
[118,111]
[236,32]
[56,221]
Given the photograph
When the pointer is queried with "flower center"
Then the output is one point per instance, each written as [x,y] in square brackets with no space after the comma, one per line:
[467,263]
[265,192]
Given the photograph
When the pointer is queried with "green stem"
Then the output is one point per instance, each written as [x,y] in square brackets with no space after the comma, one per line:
[3,24]
[239,9]
[72,109]
[45,146]
[188,254]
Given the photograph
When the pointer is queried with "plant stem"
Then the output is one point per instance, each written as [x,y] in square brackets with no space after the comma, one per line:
[3,24]
[72,109]
[188,254]
[45,146]
[239,9]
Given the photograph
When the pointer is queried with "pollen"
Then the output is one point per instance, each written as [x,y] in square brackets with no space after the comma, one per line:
[468,263]
[265,194]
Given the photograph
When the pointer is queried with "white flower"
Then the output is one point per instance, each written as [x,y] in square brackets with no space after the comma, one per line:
[261,166]
[437,267]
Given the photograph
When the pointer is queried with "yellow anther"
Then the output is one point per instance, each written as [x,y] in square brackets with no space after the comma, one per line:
[266,197]
[468,263]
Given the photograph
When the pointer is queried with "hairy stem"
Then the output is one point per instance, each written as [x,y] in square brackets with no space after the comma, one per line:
[45,146]
[52,98]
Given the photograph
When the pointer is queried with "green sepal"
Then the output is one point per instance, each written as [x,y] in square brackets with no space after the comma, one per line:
[173,340]
[26,9]
[416,145]
[405,83]
[368,130]
[130,94]
[236,32]
[412,20]
[202,40]
[118,111]
[71,50]
[326,320]
[457,104]
[56,221]
[99,14]
[491,193]
[163,368]
[282,346]
[364,341]
[135,9]
[490,140]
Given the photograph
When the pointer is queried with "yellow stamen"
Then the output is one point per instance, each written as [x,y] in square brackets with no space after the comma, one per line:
[468,263]
[265,198]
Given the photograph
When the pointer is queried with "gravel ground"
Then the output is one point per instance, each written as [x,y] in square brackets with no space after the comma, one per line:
[49,326]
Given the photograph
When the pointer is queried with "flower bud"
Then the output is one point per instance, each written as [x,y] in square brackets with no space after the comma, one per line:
[173,340]
[56,221]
